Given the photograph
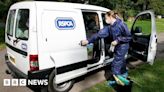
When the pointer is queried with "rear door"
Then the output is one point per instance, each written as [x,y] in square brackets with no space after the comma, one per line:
[21,37]
[9,34]
[144,39]
[17,38]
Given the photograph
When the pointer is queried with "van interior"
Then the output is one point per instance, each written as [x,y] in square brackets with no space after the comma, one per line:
[92,26]
[141,31]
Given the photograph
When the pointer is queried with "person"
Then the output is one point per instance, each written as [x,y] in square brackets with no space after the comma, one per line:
[120,36]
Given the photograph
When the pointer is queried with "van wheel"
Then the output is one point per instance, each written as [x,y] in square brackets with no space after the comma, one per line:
[63,87]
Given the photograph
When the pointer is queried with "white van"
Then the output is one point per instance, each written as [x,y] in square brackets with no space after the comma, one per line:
[43,41]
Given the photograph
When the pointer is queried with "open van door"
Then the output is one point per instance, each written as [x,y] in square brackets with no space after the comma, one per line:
[144,39]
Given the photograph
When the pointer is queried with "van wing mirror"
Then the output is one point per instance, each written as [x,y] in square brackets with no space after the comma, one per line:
[138,29]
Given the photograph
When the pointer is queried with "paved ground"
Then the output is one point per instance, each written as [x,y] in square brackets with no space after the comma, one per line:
[78,87]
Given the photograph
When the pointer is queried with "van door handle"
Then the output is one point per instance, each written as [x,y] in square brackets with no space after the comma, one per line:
[156,40]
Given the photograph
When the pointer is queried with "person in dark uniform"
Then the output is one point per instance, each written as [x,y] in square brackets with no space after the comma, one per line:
[118,31]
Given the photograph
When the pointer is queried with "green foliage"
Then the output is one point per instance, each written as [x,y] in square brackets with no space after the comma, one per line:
[4,6]
[131,7]
[2,39]
[131,12]
[2,36]
[156,5]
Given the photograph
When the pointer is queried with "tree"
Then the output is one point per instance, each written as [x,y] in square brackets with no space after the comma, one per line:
[156,5]
[4,6]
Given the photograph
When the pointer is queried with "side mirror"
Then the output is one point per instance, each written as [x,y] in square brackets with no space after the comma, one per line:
[138,30]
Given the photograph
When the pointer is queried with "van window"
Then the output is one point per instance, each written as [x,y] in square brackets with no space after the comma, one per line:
[92,26]
[91,22]
[143,24]
[22,24]
[10,22]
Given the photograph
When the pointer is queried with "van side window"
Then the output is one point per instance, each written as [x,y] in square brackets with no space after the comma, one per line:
[142,25]
[22,24]
[91,22]
[10,22]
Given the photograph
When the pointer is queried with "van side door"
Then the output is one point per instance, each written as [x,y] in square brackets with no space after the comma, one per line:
[93,24]
[62,31]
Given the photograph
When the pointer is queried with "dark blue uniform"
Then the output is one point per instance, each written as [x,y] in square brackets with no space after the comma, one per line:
[118,32]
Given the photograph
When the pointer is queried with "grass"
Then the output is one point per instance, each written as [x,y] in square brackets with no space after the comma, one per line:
[2,46]
[159,25]
[147,79]
[2,39]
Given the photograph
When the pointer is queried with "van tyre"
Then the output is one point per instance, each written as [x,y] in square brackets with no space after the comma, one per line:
[64,87]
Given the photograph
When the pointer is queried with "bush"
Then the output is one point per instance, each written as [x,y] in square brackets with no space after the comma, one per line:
[2,36]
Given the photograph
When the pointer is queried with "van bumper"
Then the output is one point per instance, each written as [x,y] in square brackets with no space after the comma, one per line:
[40,74]
[15,71]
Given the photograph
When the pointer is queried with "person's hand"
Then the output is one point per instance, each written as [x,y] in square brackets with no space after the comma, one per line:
[84,42]
[114,43]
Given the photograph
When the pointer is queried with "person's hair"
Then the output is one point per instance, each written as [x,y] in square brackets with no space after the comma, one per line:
[112,13]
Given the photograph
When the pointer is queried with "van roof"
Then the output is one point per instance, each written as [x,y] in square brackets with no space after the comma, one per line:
[60,5]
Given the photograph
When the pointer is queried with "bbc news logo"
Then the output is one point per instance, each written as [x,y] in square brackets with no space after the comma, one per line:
[25,82]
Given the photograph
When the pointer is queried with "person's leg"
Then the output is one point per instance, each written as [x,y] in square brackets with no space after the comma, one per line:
[119,64]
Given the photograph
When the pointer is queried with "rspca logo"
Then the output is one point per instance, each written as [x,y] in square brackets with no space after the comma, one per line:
[24,46]
[65,23]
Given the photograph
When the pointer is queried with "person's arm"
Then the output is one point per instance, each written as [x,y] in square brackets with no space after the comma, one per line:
[127,35]
[101,34]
